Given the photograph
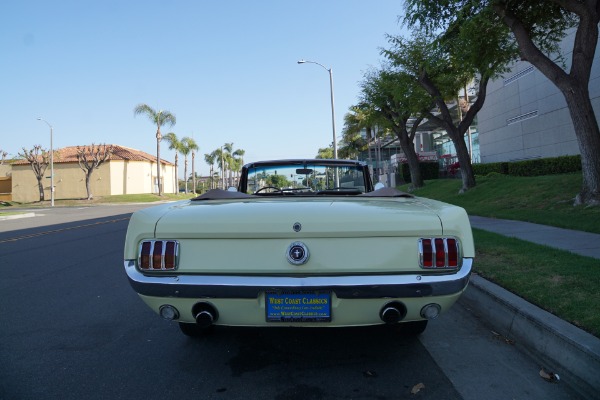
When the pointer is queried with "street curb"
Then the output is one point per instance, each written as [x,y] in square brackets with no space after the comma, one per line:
[17,216]
[556,345]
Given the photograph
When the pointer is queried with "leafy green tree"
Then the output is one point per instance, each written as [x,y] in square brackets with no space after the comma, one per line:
[440,67]
[396,97]
[38,159]
[159,118]
[325,153]
[536,30]
[174,144]
[279,181]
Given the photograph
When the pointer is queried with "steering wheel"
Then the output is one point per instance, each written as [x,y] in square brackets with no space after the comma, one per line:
[276,189]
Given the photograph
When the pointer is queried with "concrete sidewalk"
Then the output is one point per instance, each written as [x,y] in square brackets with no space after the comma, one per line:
[557,345]
[583,243]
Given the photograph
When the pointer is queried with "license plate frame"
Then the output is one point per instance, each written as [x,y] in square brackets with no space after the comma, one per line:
[298,306]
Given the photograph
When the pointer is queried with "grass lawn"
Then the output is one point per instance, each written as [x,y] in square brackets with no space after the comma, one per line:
[565,284]
[545,200]
[560,282]
[126,198]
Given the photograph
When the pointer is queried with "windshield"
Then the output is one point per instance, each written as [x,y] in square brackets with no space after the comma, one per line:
[305,179]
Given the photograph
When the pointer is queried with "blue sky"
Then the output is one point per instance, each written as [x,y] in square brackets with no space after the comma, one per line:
[227,70]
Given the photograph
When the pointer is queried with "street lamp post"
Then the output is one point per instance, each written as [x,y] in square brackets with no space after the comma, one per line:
[51,164]
[335,152]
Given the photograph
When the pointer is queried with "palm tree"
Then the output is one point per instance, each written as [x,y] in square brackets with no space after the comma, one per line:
[193,147]
[231,161]
[239,155]
[355,122]
[159,118]
[174,144]
[185,150]
[210,160]
[221,157]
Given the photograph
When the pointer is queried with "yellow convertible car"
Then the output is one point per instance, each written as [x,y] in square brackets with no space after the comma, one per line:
[300,243]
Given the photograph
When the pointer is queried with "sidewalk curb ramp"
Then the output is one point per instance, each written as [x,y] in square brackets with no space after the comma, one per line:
[556,345]
[17,216]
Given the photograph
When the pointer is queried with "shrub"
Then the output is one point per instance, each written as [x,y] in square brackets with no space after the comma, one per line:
[429,170]
[537,167]
[486,169]
[545,166]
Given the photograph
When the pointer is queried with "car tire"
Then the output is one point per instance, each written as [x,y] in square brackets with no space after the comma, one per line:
[193,330]
[413,328]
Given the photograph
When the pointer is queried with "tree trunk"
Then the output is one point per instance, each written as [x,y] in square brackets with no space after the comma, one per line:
[588,135]
[193,173]
[411,156]
[464,161]
[185,164]
[176,177]
[41,188]
[88,175]
[573,85]
[158,138]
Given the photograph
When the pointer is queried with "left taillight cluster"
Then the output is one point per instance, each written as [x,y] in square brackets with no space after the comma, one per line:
[158,255]
[439,253]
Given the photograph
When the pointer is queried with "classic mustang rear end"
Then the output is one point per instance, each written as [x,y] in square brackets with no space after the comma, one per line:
[307,252]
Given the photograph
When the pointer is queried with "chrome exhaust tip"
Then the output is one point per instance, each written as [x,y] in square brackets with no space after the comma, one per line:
[204,314]
[393,312]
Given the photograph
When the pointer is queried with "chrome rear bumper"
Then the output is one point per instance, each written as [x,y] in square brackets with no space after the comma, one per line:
[349,287]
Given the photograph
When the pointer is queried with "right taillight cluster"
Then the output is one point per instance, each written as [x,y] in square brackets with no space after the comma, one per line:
[158,255]
[439,252]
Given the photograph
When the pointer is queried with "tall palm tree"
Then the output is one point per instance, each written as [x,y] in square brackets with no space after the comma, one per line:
[239,155]
[221,157]
[193,147]
[159,118]
[355,121]
[174,144]
[228,158]
[185,150]
[210,159]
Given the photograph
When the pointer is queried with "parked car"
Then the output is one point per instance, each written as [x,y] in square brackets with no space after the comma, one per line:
[307,243]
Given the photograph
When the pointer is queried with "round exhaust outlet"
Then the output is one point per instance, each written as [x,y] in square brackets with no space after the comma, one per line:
[392,312]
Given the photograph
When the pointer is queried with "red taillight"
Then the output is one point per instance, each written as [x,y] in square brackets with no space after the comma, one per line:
[426,253]
[170,255]
[158,255]
[145,255]
[452,247]
[438,253]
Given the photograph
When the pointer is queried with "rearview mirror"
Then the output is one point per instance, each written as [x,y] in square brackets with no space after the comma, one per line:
[304,171]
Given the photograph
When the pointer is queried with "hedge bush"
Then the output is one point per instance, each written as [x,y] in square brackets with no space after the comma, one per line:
[429,170]
[485,169]
[537,167]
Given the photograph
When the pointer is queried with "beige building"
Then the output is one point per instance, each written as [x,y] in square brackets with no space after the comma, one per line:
[5,182]
[128,171]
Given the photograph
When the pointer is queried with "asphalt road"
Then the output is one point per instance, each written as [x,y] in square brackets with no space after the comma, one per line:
[72,328]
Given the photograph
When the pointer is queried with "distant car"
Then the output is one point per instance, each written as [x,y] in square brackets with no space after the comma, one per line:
[306,243]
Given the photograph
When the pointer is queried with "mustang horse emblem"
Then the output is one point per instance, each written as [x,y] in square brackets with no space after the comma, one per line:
[297,253]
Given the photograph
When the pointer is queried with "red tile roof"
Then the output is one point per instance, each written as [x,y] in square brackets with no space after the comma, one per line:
[69,154]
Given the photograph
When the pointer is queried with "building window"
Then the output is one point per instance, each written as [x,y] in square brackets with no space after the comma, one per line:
[522,117]
[518,75]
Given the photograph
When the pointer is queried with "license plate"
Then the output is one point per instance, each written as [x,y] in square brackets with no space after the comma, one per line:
[298,307]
